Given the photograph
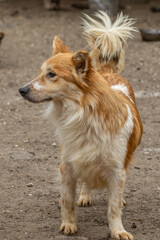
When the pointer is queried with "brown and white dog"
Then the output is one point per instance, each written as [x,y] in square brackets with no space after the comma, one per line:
[95,115]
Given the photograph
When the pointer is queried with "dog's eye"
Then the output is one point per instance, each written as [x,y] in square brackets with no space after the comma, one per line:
[51,74]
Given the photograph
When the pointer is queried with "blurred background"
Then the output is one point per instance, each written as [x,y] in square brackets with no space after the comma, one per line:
[29,152]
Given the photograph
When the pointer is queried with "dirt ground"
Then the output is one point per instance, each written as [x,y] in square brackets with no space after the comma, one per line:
[29,152]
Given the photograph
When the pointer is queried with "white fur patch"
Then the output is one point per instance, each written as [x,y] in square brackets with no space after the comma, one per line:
[87,143]
[49,111]
[37,86]
[123,88]
[119,145]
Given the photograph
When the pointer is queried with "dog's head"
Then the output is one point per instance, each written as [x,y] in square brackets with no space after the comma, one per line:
[62,76]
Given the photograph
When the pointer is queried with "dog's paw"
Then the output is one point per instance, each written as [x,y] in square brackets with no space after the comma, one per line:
[84,201]
[121,235]
[68,228]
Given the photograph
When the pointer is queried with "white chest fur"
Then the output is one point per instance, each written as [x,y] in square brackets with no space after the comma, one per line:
[91,151]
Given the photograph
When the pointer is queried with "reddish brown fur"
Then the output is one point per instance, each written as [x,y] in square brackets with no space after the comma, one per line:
[96,87]
[74,78]
[97,96]
[135,138]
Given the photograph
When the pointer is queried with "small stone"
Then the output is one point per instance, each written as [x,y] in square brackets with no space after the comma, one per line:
[133,190]
[54,144]
[134,225]
[22,155]
[7,211]
[137,168]
[29,184]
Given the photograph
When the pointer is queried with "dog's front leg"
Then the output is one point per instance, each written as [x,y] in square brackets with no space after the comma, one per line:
[115,191]
[69,225]
[85,196]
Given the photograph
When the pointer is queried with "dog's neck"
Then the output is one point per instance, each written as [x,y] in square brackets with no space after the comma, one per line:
[99,102]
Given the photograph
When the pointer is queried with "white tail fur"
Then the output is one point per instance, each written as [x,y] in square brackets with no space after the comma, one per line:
[107,39]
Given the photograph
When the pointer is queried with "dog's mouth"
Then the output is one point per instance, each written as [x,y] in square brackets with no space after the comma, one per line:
[28,95]
[45,100]
[37,100]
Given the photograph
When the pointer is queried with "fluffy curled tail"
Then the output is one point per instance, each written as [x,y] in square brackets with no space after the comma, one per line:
[107,39]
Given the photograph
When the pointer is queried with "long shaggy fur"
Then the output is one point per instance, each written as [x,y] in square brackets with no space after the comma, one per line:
[107,38]
[95,116]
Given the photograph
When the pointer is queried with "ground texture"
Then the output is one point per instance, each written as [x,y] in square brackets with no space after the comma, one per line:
[29,152]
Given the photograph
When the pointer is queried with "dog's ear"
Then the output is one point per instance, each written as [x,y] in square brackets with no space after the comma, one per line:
[81,62]
[59,46]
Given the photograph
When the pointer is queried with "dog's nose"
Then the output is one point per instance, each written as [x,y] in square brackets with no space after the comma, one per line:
[23,91]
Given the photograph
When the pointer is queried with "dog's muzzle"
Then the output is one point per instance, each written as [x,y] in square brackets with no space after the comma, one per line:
[24,91]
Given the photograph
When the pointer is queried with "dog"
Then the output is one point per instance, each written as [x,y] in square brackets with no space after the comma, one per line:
[95,114]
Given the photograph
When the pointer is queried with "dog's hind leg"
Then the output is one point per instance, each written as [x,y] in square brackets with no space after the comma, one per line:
[85,196]
[69,224]
[115,190]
